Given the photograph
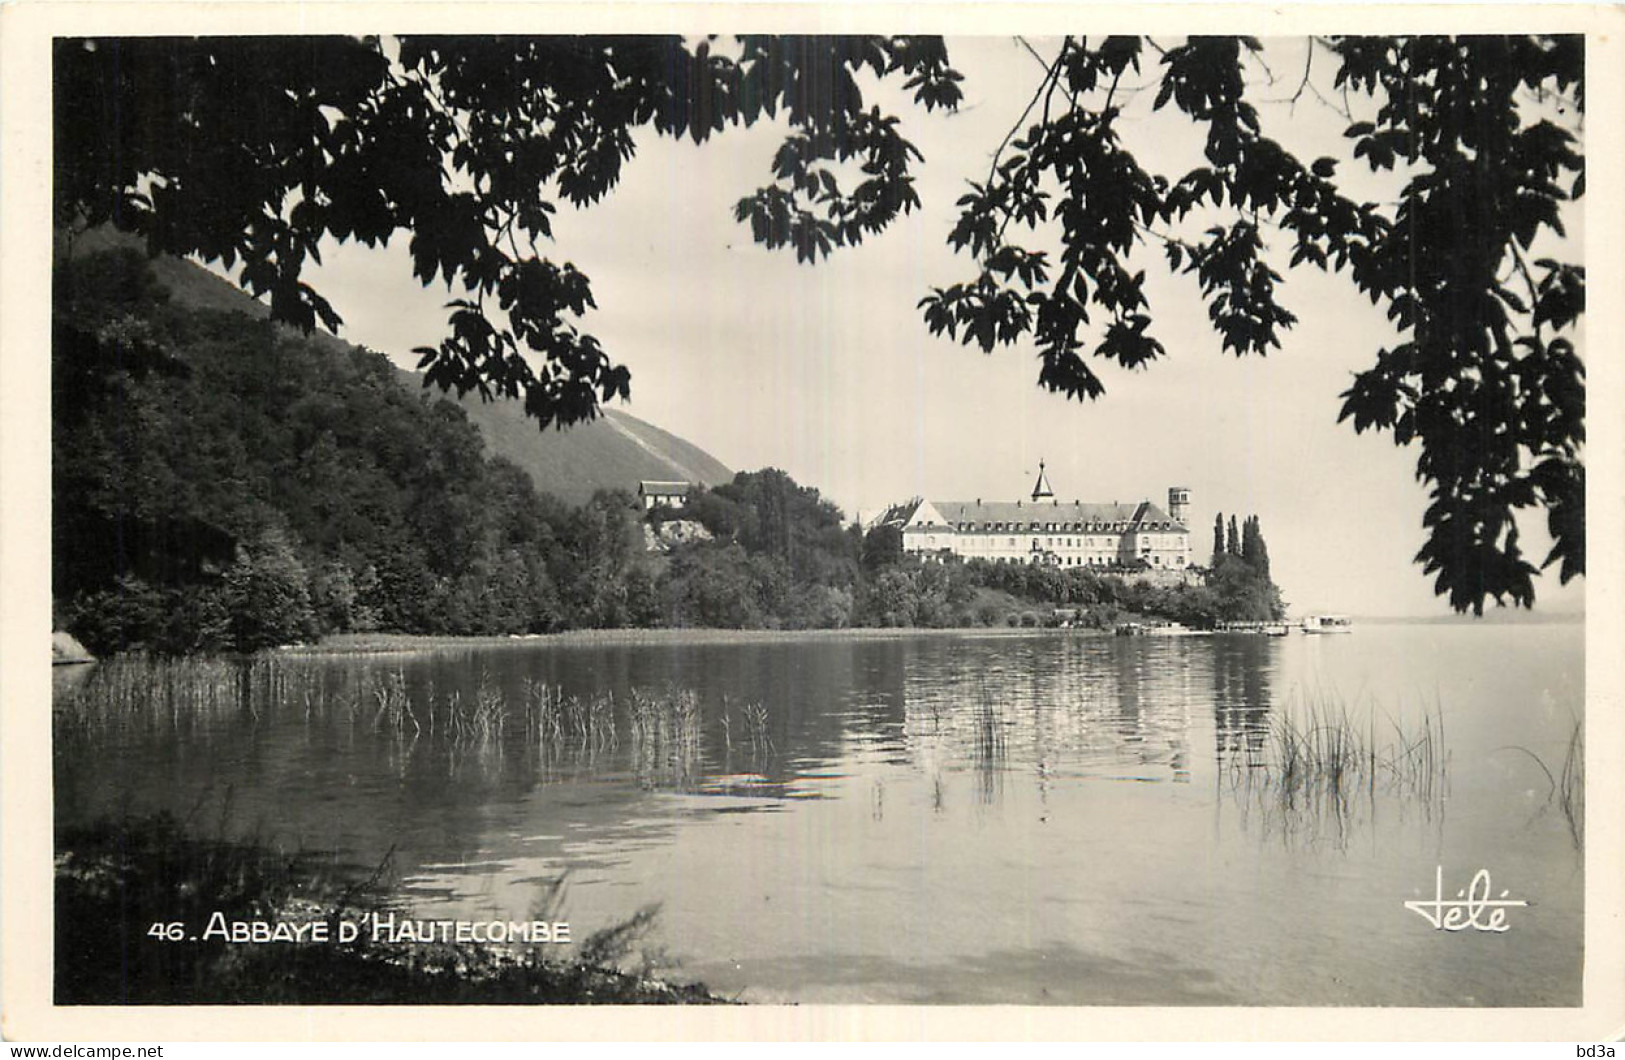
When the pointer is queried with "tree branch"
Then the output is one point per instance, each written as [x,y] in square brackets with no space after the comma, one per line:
[1308,64]
[1050,72]
[1529,281]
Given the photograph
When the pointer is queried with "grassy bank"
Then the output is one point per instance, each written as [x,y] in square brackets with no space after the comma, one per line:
[115,880]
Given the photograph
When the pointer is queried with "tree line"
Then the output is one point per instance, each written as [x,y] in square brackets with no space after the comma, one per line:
[224,484]
[220,482]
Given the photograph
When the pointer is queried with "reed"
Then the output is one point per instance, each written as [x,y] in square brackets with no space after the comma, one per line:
[987,729]
[1571,784]
[540,726]
[666,740]
[137,693]
[393,706]
[1567,785]
[756,729]
[988,725]
[1319,768]
[590,722]
[490,718]
[543,713]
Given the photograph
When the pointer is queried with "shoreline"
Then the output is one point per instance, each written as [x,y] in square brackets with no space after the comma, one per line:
[405,643]
[345,644]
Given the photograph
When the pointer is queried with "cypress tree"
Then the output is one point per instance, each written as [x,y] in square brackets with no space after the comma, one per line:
[1250,541]
[1218,538]
[1233,541]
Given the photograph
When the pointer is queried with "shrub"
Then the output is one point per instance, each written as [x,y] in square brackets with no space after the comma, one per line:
[268,593]
[128,617]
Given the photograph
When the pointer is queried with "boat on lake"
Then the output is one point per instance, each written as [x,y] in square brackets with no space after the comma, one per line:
[1156,629]
[1265,629]
[1328,624]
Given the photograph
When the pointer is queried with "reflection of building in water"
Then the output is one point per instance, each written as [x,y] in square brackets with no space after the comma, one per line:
[1090,707]
[1241,694]
[1153,697]
[1049,531]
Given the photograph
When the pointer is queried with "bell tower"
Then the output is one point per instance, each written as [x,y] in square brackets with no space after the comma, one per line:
[1179,504]
[1041,490]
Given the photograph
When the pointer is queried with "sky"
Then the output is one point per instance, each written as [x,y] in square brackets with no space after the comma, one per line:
[829,373]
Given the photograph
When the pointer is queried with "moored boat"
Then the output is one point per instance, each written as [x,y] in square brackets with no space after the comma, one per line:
[1155,629]
[1257,628]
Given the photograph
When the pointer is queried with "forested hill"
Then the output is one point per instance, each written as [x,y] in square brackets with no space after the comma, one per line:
[220,482]
[615,452]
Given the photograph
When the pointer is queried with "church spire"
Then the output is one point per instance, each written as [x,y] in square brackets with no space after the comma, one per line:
[1041,487]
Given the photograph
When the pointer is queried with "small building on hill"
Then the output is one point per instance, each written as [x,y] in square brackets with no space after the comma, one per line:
[663,494]
[1046,530]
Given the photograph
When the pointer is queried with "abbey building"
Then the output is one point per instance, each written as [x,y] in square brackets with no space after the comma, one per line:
[1046,530]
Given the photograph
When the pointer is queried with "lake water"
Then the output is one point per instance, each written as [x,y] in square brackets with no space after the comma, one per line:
[1032,818]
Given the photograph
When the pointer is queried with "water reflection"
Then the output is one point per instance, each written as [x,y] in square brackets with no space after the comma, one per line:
[874,790]
[1096,708]
[757,724]
[765,726]
[1243,667]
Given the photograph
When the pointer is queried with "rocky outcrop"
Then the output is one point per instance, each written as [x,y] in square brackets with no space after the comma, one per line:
[673,532]
[65,649]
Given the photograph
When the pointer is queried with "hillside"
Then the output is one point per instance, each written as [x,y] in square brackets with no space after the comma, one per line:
[219,484]
[615,452]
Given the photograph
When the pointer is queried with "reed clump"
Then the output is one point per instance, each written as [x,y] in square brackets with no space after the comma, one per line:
[987,729]
[540,725]
[756,729]
[131,691]
[590,721]
[1319,767]
[393,705]
[745,727]
[543,712]
[555,723]
[666,737]
[988,725]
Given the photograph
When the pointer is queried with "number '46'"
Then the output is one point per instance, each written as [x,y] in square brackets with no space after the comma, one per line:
[174,931]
